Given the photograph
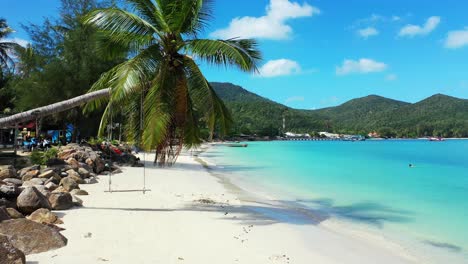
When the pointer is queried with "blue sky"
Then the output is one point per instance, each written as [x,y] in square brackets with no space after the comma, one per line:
[320,53]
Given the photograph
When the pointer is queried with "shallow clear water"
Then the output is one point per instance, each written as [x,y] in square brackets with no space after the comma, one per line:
[367,182]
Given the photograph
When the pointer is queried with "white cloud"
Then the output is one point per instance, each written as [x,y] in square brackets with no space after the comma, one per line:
[396,18]
[457,39]
[414,30]
[391,77]
[295,99]
[368,32]
[281,67]
[361,66]
[271,26]
[21,42]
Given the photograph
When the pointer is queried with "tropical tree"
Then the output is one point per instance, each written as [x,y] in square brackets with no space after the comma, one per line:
[161,41]
[5,46]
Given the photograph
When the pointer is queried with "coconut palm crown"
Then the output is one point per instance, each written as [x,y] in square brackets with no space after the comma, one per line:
[6,47]
[160,38]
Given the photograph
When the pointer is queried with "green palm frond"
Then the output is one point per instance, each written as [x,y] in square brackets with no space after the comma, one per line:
[205,98]
[119,22]
[177,98]
[241,53]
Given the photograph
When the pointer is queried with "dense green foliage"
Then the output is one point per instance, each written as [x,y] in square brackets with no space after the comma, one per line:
[161,76]
[60,63]
[439,115]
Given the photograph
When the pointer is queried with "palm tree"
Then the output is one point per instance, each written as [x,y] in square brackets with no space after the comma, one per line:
[160,39]
[6,46]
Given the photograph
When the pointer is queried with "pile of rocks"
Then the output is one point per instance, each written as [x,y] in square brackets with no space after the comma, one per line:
[28,195]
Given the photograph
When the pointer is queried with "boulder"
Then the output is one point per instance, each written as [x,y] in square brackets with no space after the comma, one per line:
[4,215]
[79,192]
[69,184]
[99,166]
[77,201]
[31,237]
[61,201]
[63,174]
[75,176]
[91,180]
[48,174]
[9,253]
[7,172]
[66,153]
[73,163]
[23,171]
[13,181]
[84,173]
[9,191]
[14,214]
[44,216]
[51,186]
[7,203]
[59,189]
[42,189]
[30,175]
[33,182]
[30,200]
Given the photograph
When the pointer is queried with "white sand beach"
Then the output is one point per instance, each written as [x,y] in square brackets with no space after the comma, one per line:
[168,225]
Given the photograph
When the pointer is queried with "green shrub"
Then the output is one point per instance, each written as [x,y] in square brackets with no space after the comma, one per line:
[41,158]
[36,157]
[50,154]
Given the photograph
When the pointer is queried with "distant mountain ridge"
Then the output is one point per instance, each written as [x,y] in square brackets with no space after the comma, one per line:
[438,115]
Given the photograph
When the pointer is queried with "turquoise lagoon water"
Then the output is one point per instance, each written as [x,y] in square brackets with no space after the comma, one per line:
[368,183]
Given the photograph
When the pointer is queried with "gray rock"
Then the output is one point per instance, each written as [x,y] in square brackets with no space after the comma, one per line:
[31,237]
[30,175]
[9,191]
[4,215]
[51,186]
[48,174]
[7,172]
[7,203]
[30,200]
[77,201]
[61,201]
[69,184]
[79,192]
[83,173]
[13,181]
[10,254]
[43,190]
[63,174]
[23,171]
[73,163]
[91,180]
[44,216]
[14,214]
[34,181]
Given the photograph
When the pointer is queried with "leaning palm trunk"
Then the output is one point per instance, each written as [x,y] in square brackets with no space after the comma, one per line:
[160,40]
[53,108]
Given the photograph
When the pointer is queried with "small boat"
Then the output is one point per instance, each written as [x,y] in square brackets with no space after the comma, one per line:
[436,139]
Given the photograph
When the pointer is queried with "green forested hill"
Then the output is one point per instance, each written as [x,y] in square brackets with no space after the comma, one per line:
[438,115]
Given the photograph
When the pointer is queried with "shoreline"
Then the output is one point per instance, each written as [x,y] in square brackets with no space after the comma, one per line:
[192,217]
[421,250]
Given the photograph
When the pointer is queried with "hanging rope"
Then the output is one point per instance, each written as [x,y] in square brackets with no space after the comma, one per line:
[109,144]
[140,134]
[109,139]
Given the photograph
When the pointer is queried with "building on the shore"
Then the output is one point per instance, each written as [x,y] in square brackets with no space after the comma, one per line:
[329,135]
[294,135]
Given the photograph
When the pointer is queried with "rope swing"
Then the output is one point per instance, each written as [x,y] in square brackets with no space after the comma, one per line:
[109,135]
